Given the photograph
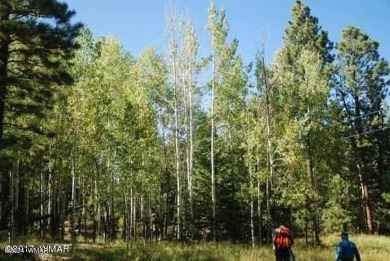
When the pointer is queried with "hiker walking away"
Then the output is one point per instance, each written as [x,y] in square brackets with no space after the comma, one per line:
[283,241]
[346,250]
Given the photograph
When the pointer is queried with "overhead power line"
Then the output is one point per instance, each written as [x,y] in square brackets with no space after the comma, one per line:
[367,132]
[364,115]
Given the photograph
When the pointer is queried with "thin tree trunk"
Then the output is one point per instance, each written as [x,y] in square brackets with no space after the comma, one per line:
[96,212]
[126,220]
[270,151]
[191,152]
[252,225]
[135,217]
[84,214]
[177,149]
[161,213]
[42,206]
[49,196]
[12,203]
[269,224]
[112,206]
[310,174]
[131,221]
[73,215]
[26,207]
[150,219]
[17,213]
[142,213]
[61,203]
[259,198]
[213,199]
[259,213]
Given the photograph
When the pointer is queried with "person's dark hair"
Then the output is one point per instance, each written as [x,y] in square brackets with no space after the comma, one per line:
[344,234]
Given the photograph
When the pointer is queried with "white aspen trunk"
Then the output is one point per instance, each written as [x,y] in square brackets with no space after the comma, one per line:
[112,206]
[187,64]
[26,207]
[259,202]
[142,213]
[178,180]
[161,215]
[269,225]
[150,219]
[251,198]
[163,197]
[73,215]
[96,214]
[126,227]
[83,212]
[191,153]
[270,151]
[11,199]
[17,182]
[213,199]
[42,207]
[131,223]
[134,217]
[62,205]
[49,196]
[176,135]
[187,149]
[252,223]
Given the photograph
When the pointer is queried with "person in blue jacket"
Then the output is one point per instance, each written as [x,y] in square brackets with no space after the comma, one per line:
[346,250]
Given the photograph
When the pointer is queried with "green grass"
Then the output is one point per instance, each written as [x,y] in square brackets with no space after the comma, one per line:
[372,248]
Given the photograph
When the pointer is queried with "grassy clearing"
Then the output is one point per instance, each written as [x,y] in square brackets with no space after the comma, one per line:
[372,248]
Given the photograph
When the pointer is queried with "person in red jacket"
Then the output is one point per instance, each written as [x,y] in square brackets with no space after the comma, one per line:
[282,242]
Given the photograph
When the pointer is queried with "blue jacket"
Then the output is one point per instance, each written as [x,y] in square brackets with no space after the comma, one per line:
[346,250]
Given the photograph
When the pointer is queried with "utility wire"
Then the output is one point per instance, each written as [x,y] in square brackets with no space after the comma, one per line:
[364,115]
[367,132]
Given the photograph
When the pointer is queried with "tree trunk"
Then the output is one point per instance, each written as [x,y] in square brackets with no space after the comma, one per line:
[18,213]
[366,199]
[12,203]
[126,220]
[134,217]
[26,206]
[213,199]
[314,204]
[357,148]
[259,213]
[270,151]
[73,214]
[269,223]
[251,199]
[191,164]
[96,212]
[161,213]
[177,148]
[131,221]
[142,213]
[42,206]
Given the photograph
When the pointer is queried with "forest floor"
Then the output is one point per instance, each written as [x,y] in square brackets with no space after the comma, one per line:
[372,248]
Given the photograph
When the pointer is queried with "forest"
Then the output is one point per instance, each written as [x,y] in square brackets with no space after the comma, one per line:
[98,145]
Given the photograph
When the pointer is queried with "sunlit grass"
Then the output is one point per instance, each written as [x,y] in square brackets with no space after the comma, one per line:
[372,248]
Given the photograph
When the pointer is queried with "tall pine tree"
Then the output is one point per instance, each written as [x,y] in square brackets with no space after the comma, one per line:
[361,89]
[302,69]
